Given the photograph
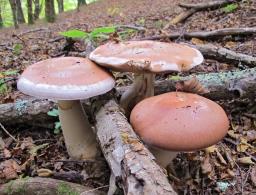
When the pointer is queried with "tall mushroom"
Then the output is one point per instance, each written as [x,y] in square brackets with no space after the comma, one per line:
[176,121]
[145,59]
[69,79]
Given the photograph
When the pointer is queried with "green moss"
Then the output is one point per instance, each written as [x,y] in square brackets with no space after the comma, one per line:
[65,189]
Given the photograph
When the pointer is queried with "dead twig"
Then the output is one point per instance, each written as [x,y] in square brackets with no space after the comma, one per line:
[31,31]
[207,35]
[193,8]
[10,135]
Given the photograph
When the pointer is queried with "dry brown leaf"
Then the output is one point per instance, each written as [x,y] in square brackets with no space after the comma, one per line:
[251,135]
[7,153]
[9,169]
[206,166]
[44,172]
[220,157]
[197,41]
[253,176]
[233,135]
[230,44]
[211,149]
[192,85]
[245,160]
[231,173]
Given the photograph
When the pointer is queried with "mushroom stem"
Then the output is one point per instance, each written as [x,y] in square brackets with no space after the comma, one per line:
[163,157]
[79,137]
[142,87]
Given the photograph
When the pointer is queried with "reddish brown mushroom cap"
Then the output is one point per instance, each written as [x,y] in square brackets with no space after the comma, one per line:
[146,56]
[179,121]
[65,78]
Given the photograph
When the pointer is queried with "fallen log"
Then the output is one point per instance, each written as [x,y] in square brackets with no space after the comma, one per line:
[222,54]
[223,85]
[45,186]
[206,35]
[31,112]
[193,8]
[132,165]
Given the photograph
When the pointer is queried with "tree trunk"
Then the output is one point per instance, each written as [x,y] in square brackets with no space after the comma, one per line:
[30,12]
[20,15]
[1,19]
[37,9]
[60,6]
[80,2]
[49,11]
[14,11]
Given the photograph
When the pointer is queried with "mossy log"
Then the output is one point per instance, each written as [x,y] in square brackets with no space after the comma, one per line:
[45,186]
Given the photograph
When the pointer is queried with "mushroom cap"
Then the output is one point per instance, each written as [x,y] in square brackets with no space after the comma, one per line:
[146,56]
[65,78]
[179,121]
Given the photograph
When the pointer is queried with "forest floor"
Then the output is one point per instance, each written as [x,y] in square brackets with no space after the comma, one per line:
[216,170]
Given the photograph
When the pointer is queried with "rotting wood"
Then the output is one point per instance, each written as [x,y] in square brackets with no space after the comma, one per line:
[193,8]
[29,112]
[223,85]
[45,186]
[206,34]
[222,54]
[132,165]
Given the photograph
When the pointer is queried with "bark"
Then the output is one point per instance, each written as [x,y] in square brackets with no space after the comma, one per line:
[207,35]
[133,166]
[37,9]
[80,2]
[30,12]
[45,186]
[49,11]
[193,8]
[28,112]
[225,85]
[20,15]
[225,55]
[14,11]
[60,6]
[1,19]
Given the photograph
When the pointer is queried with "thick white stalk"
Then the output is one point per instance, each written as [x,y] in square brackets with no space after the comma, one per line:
[79,137]
[142,87]
[163,157]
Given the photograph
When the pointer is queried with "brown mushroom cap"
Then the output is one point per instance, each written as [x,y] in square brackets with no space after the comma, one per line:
[179,121]
[65,78]
[146,56]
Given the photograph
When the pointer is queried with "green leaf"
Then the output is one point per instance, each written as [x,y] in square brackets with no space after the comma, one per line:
[10,72]
[57,127]
[230,8]
[53,112]
[17,49]
[73,33]
[102,30]
[3,87]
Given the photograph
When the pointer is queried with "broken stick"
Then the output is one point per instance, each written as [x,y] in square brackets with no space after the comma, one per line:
[133,166]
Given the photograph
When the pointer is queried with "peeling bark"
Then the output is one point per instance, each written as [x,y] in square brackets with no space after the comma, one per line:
[133,166]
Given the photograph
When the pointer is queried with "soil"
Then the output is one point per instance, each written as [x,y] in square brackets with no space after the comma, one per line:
[222,169]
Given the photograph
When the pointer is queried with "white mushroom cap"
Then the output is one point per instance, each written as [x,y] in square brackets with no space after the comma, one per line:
[65,78]
[147,56]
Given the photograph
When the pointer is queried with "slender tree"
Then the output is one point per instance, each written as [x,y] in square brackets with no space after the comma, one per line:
[49,11]
[20,15]
[60,6]
[30,12]
[37,9]
[80,2]
[14,12]
[1,18]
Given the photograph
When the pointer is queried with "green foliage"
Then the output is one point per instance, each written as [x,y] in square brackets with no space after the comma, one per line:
[65,189]
[96,33]
[57,125]
[230,8]
[74,34]
[3,86]
[17,48]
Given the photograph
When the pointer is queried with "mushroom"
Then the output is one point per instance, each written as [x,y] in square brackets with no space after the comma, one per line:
[177,121]
[67,80]
[145,59]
